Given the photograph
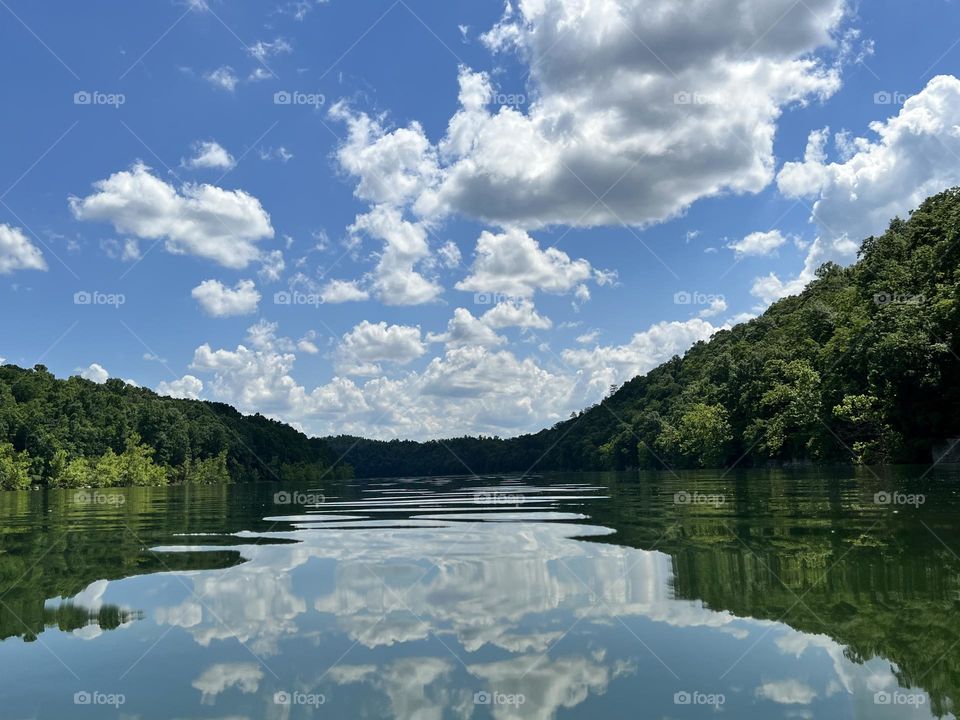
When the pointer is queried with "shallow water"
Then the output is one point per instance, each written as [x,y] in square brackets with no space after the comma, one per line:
[828,594]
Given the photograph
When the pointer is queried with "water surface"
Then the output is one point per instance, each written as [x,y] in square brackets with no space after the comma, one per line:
[828,594]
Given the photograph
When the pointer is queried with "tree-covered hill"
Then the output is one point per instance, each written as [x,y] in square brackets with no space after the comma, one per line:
[862,366]
[76,433]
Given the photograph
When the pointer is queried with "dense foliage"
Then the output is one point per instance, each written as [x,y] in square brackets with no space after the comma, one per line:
[75,433]
[862,366]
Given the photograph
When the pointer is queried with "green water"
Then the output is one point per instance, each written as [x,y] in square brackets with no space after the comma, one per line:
[754,595]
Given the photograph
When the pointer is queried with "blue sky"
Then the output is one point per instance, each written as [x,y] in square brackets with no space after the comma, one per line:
[576,170]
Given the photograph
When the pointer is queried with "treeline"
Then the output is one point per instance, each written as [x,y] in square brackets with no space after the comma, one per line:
[76,433]
[863,366]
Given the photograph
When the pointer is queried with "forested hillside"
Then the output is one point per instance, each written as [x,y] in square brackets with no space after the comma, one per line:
[76,433]
[862,366]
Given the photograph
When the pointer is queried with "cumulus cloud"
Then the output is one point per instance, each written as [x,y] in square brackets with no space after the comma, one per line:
[95,373]
[341,291]
[464,329]
[17,252]
[639,108]
[188,387]
[367,344]
[220,301]
[391,167]
[474,385]
[911,156]
[396,279]
[210,155]
[717,306]
[758,243]
[516,312]
[614,364]
[201,220]
[513,263]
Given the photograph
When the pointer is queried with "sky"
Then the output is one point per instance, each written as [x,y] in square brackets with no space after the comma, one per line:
[415,219]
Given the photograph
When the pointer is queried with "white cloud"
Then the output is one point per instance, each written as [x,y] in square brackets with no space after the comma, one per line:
[449,254]
[914,155]
[588,338]
[281,153]
[787,692]
[341,291]
[517,312]
[464,329]
[395,280]
[95,373]
[638,108]
[210,154]
[202,220]
[219,677]
[272,266]
[368,344]
[758,243]
[608,365]
[474,387]
[188,387]
[513,263]
[223,77]
[220,301]
[17,252]
[262,49]
[717,306]
[392,167]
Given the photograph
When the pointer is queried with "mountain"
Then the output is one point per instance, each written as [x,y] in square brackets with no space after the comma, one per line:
[862,366]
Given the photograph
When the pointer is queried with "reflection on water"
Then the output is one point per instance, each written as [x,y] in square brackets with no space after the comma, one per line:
[764,595]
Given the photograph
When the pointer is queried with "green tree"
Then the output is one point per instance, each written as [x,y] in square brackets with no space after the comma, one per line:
[14,468]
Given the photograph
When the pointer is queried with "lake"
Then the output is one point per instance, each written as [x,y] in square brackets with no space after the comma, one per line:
[809,594]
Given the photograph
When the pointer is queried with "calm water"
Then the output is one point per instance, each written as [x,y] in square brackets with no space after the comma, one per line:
[760,595]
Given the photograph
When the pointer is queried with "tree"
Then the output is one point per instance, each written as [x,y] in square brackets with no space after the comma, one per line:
[705,435]
[14,468]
